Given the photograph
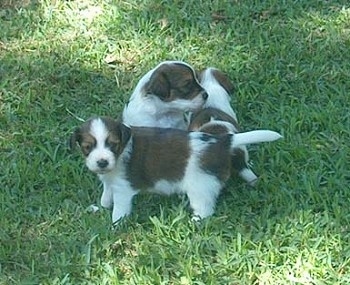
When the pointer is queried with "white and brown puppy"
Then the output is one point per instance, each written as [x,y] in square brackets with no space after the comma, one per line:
[218,117]
[163,95]
[130,160]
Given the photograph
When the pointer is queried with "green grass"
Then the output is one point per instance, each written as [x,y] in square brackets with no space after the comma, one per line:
[65,60]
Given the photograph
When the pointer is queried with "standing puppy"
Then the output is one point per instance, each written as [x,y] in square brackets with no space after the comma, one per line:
[166,161]
[217,117]
[163,95]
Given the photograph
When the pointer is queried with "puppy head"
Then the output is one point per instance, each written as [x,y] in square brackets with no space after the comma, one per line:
[206,76]
[219,88]
[101,140]
[176,82]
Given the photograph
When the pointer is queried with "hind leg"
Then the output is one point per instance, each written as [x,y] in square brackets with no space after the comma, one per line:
[249,176]
[202,193]
[240,159]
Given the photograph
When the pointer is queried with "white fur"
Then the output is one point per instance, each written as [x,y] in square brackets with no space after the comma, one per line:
[100,152]
[166,187]
[201,188]
[248,176]
[257,136]
[107,194]
[117,191]
[218,96]
[122,199]
[150,111]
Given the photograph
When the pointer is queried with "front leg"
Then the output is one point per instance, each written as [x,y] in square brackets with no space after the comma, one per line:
[122,200]
[107,196]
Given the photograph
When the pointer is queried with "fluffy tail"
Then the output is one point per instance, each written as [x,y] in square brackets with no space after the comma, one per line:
[254,137]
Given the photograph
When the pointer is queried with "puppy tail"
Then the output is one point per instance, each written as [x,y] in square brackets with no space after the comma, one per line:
[257,136]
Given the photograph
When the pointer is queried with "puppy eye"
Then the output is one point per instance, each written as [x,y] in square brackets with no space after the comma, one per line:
[112,143]
[86,148]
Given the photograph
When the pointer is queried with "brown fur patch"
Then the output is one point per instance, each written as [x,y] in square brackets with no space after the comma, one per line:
[217,158]
[205,115]
[238,160]
[214,129]
[119,135]
[157,154]
[172,81]
[79,135]
[221,77]
[87,142]
[224,80]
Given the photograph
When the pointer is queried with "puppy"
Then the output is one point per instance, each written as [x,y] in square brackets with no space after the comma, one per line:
[163,95]
[166,161]
[218,117]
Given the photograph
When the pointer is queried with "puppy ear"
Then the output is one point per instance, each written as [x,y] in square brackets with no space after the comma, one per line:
[125,134]
[224,80]
[199,74]
[74,139]
[197,120]
[159,84]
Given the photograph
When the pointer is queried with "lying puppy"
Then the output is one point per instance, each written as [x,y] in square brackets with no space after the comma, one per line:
[131,160]
[163,95]
[218,117]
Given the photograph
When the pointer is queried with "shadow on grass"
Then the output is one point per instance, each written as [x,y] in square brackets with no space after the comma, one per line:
[45,92]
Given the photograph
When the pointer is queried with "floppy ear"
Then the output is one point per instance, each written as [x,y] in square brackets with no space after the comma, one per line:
[124,134]
[158,83]
[74,139]
[199,74]
[223,79]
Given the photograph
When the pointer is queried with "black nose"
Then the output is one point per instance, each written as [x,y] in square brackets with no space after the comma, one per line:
[102,163]
[205,95]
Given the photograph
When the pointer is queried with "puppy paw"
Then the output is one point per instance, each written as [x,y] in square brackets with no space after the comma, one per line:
[92,208]
[196,219]
[115,224]
[106,202]
[118,216]
[253,182]
[249,176]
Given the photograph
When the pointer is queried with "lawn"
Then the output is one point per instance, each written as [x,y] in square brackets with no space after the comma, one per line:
[64,61]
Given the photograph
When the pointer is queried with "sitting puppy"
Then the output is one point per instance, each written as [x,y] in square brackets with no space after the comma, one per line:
[163,95]
[130,160]
[217,117]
